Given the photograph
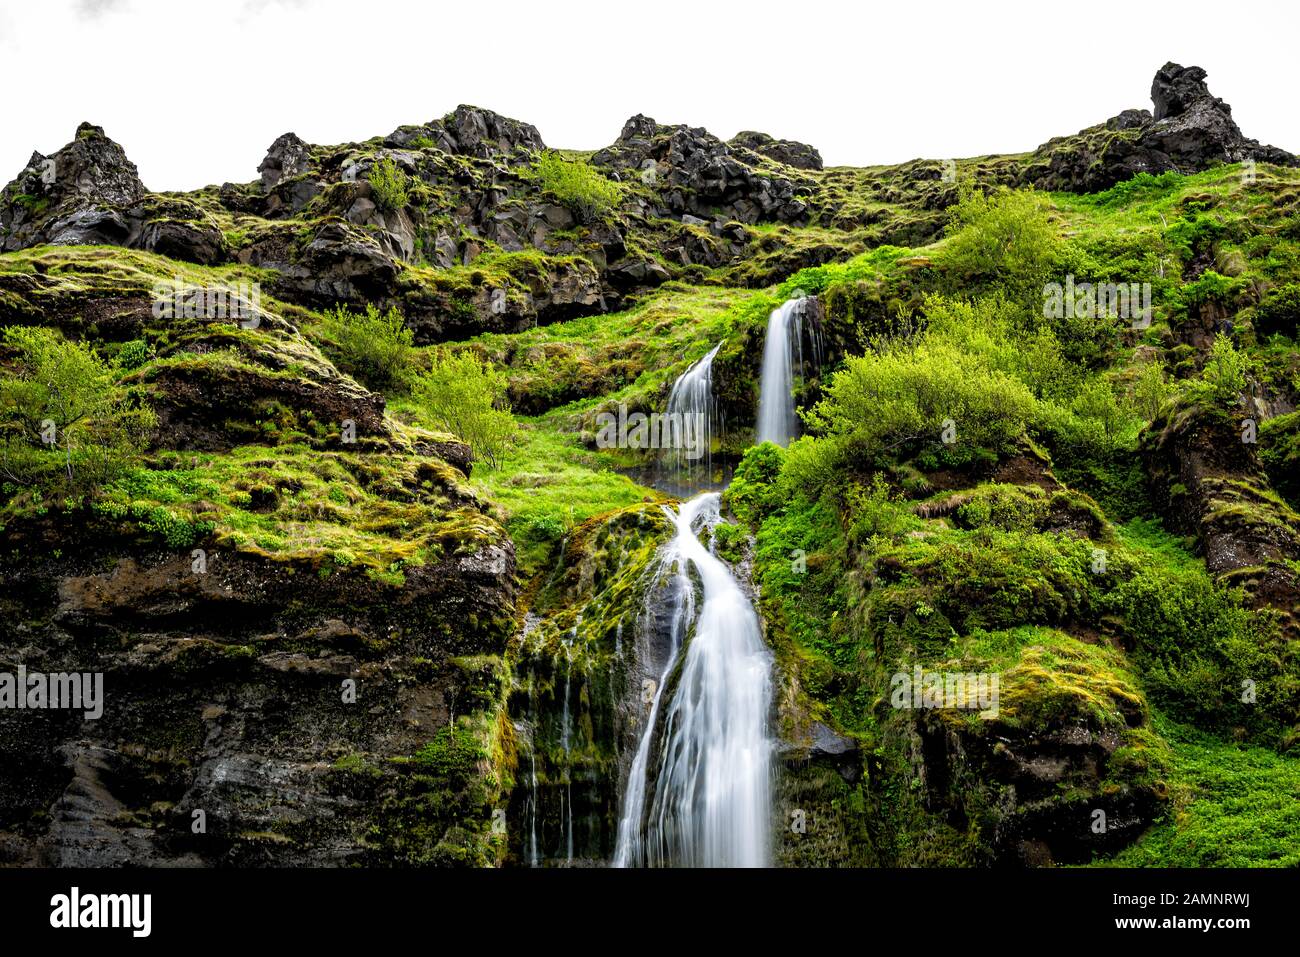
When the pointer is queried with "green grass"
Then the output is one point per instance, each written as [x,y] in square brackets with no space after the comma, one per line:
[1235,806]
[550,483]
[625,356]
[381,512]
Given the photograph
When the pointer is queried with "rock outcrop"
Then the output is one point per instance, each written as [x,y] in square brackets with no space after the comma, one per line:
[288,156]
[790,152]
[75,195]
[696,174]
[1189,131]
[1203,461]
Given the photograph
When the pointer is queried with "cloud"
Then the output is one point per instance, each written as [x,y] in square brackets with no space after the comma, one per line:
[94,9]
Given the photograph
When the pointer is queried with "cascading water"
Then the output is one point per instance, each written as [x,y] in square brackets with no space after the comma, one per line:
[687,438]
[709,805]
[782,356]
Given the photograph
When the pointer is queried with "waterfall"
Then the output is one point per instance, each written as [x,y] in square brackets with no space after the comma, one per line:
[782,356]
[710,803]
[629,849]
[690,417]
[566,732]
[534,856]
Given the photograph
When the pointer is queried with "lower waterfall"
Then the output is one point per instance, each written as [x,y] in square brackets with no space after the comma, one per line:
[709,802]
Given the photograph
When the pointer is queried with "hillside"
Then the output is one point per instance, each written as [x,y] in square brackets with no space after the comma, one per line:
[312,469]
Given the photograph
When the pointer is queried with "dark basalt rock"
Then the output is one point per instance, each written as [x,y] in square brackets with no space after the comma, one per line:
[697,174]
[288,156]
[341,263]
[1176,89]
[1217,490]
[1045,781]
[72,195]
[473,131]
[790,152]
[223,696]
[192,242]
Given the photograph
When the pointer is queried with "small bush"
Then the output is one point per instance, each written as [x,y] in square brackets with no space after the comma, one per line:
[389,185]
[931,396]
[1279,313]
[753,492]
[133,354]
[1006,239]
[466,396]
[372,346]
[64,422]
[1225,371]
[578,185]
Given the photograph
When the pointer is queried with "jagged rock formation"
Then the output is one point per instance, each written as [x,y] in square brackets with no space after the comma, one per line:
[790,152]
[1189,131]
[696,174]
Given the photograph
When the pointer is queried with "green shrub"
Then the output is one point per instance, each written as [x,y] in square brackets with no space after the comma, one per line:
[64,422]
[389,185]
[931,396]
[578,185]
[753,492]
[1279,313]
[466,396]
[1150,390]
[1204,657]
[1225,371]
[373,346]
[1209,287]
[1005,239]
[133,354]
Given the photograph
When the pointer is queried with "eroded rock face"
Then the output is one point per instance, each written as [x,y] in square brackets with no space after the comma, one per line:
[1217,490]
[227,734]
[579,702]
[1046,784]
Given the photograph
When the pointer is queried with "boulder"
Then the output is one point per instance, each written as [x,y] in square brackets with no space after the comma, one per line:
[697,174]
[288,156]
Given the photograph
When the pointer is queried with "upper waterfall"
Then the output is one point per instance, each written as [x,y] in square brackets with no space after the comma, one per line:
[691,414]
[782,356]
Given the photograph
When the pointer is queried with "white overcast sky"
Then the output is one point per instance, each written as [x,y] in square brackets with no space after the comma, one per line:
[196,91]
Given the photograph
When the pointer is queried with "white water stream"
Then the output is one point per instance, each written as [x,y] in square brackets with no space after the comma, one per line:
[782,357]
[708,801]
